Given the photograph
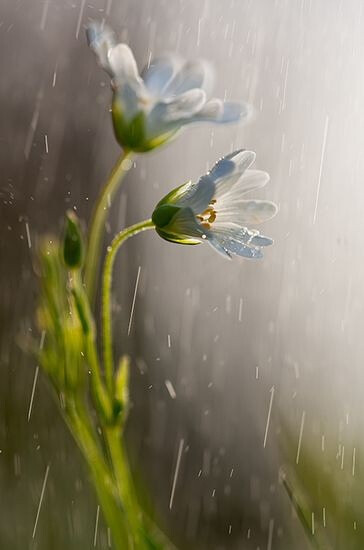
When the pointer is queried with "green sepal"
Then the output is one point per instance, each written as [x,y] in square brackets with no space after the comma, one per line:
[131,134]
[178,239]
[173,196]
[164,214]
[73,246]
[162,218]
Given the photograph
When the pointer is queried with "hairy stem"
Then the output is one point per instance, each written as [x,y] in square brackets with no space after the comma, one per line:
[115,518]
[125,484]
[106,296]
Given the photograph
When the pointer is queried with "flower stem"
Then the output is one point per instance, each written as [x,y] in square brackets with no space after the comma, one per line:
[77,419]
[106,295]
[97,222]
[125,484]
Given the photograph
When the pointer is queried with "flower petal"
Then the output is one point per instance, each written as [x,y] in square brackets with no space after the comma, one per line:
[219,247]
[193,74]
[185,105]
[230,191]
[197,196]
[251,180]
[101,40]
[229,247]
[122,63]
[169,116]
[245,212]
[240,241]
[211,111]
[216,110]
[234,111]
[233,164]
[230,230]
[261,240]
[160,72]
[229,170]
[116,59]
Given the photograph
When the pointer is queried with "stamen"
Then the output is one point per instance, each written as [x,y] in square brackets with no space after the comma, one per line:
[208,216]
[212,217]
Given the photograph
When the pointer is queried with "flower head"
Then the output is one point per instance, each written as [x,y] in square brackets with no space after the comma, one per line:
[148,110]
[215,209]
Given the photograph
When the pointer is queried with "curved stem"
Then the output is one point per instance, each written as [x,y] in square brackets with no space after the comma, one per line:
[106,295]
[98,220]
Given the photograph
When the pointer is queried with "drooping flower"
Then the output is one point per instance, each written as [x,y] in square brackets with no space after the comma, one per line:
[148,110]
[215,209]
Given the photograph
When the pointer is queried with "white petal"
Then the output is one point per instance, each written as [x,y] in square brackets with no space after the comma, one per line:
[222,112]
[233,191]
[227,171]
[216,244]
[212,110]
[245,212]
[101,40]
[122,62]
[185,105]
[234,111]
[229,247]
[193,74]
[197,196]
[233,164]
[117,59]
[167,116]
[160,72]
[235,240]
[243,235]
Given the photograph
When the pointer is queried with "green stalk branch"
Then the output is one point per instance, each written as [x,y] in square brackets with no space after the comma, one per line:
[106,296]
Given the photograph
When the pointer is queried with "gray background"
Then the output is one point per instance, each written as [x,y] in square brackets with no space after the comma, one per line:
[300,330]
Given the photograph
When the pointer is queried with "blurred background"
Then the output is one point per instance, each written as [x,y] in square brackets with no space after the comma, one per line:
[239,368]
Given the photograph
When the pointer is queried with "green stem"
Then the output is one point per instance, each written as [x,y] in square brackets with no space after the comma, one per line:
[102,400]
[146,533]
[106,296]
[124,483]
[98,220]
[114,514]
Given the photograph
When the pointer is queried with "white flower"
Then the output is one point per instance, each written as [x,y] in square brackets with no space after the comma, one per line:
[149,109]
[215,209]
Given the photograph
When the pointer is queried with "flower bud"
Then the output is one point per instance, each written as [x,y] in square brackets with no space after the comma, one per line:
[73,246]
